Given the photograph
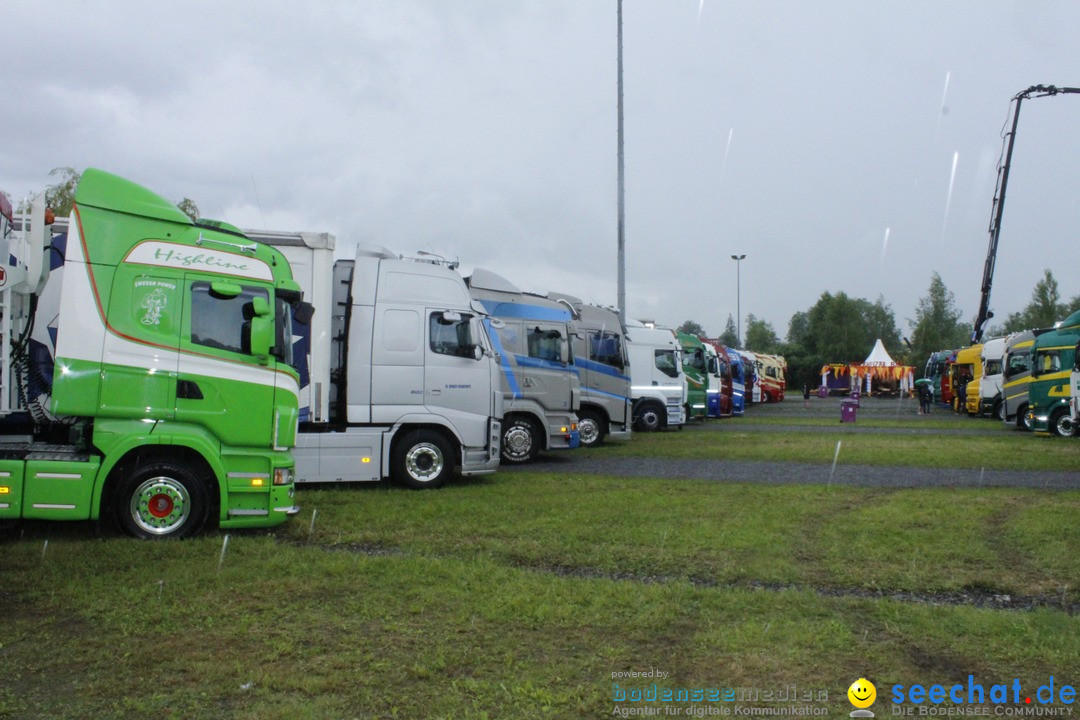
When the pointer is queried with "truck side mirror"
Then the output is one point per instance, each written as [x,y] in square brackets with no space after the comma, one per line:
[225,289]
[260,328]
[477,352]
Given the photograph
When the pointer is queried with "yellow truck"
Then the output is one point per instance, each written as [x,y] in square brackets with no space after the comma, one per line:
[967,374]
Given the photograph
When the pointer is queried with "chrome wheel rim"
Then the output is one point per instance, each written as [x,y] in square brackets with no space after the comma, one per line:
[588,430]
[518,442]
[160,505]
[424,462]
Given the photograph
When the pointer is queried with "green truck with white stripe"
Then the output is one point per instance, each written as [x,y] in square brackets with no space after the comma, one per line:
[171,401]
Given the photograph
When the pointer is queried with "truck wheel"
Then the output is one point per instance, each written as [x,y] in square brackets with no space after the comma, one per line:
[1022,421]
[591,428]
[162,499]
[998,413]
[649,417]
[422,459]
[520,442]
[1061,423]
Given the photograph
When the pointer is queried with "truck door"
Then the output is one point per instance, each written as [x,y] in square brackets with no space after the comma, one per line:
[457,374]
[220,384]
[608,376]
[547,369]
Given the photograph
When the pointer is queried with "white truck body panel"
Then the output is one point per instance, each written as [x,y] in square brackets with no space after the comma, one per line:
[656,370]
[377,367]
[990,384]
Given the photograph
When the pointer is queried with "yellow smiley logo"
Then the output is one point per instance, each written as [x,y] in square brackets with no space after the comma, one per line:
[862,693]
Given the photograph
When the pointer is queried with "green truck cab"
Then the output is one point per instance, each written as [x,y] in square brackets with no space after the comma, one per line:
[174,400]
[695,364]
[1053,355]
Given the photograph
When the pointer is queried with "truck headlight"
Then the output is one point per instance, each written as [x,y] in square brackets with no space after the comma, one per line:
[283,476]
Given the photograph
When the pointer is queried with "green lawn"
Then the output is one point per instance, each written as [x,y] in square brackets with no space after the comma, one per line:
[1007,450]
[519,595]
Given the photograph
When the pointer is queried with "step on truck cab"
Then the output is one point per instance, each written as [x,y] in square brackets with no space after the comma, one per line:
[696,368]
[1016,376]
[603,368]
[990,398]
[657,382]
[171,401]
[400,381]
[540,385]
[1053,356]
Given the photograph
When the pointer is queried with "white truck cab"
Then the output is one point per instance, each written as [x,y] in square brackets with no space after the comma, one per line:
[657,383]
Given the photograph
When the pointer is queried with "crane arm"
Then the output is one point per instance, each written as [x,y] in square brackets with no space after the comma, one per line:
[1035,91]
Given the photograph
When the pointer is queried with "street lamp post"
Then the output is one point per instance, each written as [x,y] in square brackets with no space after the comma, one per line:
[738,296]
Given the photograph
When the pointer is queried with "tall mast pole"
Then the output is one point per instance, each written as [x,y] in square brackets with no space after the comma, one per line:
[622,185]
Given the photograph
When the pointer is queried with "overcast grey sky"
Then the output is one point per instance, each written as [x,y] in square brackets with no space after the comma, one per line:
[843,146]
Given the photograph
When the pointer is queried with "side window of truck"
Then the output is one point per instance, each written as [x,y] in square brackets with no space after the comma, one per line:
[545,344]
[223,323]
[451,337]
[665,362]
[696,360]
[1018,363]
[606,349]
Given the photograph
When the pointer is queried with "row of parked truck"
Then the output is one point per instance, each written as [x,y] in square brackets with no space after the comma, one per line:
[1029,378]
[164,372]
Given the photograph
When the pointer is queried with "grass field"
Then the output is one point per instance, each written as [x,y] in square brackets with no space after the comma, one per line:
[521,595]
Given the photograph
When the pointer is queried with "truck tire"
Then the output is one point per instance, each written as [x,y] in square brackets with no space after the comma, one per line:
[998,413]
[162,499]
[1061,423]
[591,428]
[1022,421]
[520,441]
[422,460]
[649,417]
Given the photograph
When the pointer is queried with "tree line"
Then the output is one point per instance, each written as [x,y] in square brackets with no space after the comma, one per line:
[842,329]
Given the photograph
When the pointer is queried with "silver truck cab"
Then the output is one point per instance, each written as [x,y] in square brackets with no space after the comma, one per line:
[604,369]
[541,388]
